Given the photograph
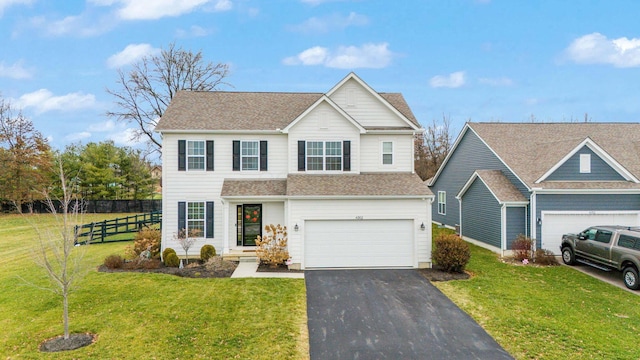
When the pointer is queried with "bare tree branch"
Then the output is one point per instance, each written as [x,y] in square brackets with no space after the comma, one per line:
[432,147]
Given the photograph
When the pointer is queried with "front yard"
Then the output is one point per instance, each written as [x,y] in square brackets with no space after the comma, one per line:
[146,316]
[548,312]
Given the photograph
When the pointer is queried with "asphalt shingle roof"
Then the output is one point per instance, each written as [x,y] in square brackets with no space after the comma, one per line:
[501,187]
[254,187]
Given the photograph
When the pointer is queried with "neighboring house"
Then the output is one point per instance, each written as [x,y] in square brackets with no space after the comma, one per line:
[335,168]
[538,179]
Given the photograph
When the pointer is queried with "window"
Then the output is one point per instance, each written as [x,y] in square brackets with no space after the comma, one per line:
[195,155]
[249,155]
[442,202]
[195,219]
[324,155]
[603,236]
[585,163]
[629,242]
[387,153]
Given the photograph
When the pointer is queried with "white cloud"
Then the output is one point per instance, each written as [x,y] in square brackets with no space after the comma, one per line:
[14,71]
[596,48]
[108,125]
[331,23]
[6,3]
[83,25]
[126,137]
[78,136]
[453,80]
[193,31]
[532,101]
[151,10]
[43,100]
[318,2]
[345,57]
[131,54]
[223,5]
[500,81]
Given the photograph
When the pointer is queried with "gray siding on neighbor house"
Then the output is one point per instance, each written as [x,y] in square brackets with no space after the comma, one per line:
[481,215]
[570,170]
[583,202]
[516,223]
[471,154]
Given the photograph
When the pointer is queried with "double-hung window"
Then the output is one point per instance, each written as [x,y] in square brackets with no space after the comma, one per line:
[195,155]
[249,155]
[324,155]
[442,202]
[387,153]
[195,219]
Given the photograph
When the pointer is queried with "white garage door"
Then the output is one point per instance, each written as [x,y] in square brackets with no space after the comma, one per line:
[363,243]
[555,224]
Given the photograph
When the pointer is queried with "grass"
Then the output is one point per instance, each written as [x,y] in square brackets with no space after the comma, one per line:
[547,312]
[145,316]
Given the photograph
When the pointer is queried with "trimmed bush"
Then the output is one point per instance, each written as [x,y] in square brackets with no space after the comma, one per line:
[113,261]
[171,260]
[545,257]
[450,253]
[207,252]
[521,248]
[167,251]
[147,238]
[272,248]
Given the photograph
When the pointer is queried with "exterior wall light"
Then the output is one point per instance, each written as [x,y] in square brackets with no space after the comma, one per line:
[295,227]
[422,227]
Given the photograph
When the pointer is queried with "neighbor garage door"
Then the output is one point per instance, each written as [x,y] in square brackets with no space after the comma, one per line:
[363,243]
[555,224]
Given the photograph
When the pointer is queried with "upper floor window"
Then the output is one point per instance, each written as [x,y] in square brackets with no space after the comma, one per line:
[442,202]
[249,155]
[585,163]
[324,155]
[195,155]
[387,153]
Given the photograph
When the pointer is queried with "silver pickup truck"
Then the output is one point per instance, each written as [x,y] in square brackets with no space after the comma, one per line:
[607,248]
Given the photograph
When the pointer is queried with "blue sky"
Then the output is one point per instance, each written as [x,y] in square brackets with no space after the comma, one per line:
[478,60]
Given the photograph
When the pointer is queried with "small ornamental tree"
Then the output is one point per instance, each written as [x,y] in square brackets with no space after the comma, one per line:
[186,239]
[522,248]
[272,248]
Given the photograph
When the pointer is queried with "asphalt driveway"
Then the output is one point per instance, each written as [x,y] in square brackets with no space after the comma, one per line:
[389,314]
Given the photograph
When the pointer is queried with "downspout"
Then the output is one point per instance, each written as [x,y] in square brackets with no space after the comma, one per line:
[460,216]
[503,229]
[533,219]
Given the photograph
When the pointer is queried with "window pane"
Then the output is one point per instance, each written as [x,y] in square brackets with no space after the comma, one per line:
[314,163]
[195,217]
[195,163]
[387,159]
[249,148]
[250,163]
[334,148]
[195,148]
[387,147]
[334,163]
[314,148]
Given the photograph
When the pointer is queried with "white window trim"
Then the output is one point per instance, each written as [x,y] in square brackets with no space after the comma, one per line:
[250,156]
[203,156]
[442,202]
[188,220]
[585,163]
[324,155]
[391,153]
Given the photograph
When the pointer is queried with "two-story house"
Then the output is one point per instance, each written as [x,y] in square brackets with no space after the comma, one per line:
[335,168]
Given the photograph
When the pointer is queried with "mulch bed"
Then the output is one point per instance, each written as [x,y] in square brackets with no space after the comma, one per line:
[435,274]
[196,269]
[75,341]
[262,267]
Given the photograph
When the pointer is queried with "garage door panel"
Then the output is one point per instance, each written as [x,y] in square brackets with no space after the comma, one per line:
[364,243]
[554,225]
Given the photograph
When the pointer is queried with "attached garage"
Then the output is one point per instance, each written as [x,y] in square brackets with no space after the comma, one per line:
[557,223]
[359,243]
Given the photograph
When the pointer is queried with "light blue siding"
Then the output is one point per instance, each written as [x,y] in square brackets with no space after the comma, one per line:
[583,202]
[470,155]
[516,223]
[481,215]
[570,170]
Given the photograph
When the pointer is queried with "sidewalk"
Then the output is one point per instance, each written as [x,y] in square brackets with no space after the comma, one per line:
[248,269]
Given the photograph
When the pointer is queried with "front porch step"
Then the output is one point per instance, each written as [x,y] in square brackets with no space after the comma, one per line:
[241,255]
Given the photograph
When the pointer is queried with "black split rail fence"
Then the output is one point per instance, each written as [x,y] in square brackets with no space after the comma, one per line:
[120,229]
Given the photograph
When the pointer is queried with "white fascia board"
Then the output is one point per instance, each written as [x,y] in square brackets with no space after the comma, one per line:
[467,185]
[356,197]
[393,132]
[325,98]
[263,132]
[255,198]
[587,191]
[598,151]
[471,180]
[375,94]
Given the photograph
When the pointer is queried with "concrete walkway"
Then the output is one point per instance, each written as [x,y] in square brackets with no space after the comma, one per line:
[249,269]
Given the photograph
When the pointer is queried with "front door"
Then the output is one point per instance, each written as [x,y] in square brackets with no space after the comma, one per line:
[249,224]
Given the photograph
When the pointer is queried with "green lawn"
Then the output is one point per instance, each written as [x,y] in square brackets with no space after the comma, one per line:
[548,312]
[145,316]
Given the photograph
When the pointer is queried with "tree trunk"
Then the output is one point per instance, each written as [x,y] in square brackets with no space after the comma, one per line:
[65,315]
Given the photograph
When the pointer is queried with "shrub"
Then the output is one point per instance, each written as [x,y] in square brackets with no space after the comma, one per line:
[171,260]
[545,257]
[272,248]
[521,248]
[113,262]
[167,251]
[147,239]
[141,263]
[450,253]
[207,252]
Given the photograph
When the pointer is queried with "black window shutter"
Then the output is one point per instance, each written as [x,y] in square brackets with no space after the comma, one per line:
[209,155]
[236,155]
[182,155]
[346,155]
[263,155]
[182,216]
[209,223]
[301,155]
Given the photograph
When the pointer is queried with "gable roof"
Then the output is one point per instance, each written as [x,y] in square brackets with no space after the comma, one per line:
[325,99]
[252,111]
[500,187]
[530,150]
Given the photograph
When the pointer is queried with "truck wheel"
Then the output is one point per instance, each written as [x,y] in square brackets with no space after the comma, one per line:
[567,256]
[630,278]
